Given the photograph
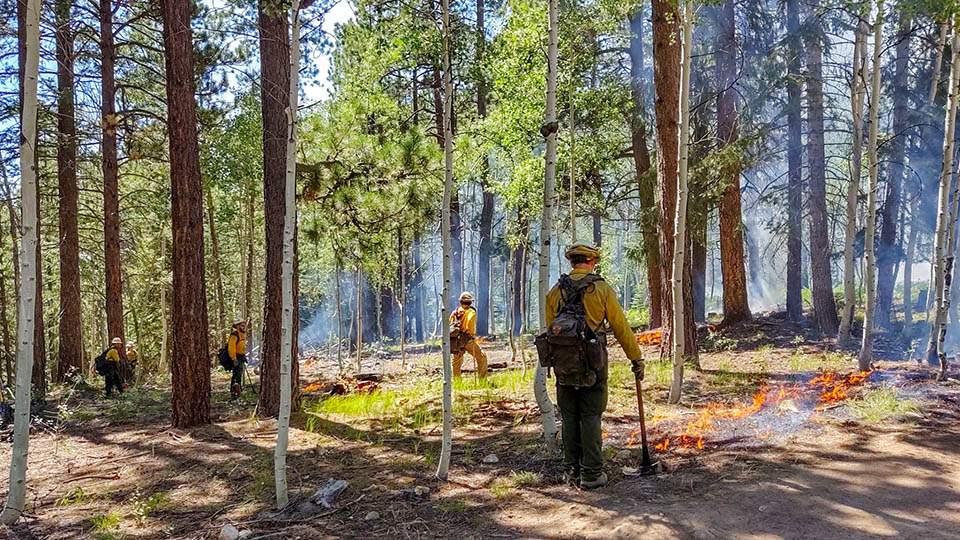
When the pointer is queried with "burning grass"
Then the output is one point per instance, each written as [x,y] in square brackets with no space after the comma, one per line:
[766,408]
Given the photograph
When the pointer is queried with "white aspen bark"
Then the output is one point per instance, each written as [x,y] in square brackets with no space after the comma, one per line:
[16,496]
[865,357]
[443,468]
[943,223]
[857,91]
[548,417]
[573,168]
[908,267]
[286,281]
[935,83]
[680,222]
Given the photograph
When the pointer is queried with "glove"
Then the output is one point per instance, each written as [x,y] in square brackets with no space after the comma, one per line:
[637,369]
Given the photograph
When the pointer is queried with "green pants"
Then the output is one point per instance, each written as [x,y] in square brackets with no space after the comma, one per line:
[581,410]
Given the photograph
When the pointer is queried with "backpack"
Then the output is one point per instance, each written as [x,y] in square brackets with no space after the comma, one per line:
[100,363]
[458,338]
[223,355]
[577,353]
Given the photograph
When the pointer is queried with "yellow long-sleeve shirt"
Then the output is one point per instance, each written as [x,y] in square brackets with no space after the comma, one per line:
[469,323]
[113,355]
[599,303]
[237,344]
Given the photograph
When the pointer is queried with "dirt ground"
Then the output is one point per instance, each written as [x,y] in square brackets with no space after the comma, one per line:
[114,469]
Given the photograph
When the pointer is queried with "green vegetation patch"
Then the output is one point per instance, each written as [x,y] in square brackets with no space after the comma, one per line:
[503,487]
[882,403]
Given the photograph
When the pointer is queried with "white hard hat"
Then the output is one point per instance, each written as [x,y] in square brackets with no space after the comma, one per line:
[466,297]
[117,341]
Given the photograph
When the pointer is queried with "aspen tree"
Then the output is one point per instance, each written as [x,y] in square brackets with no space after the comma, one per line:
[286,272]
[17,489]
[866,348]
[548,417]
[680,222]
[443,468]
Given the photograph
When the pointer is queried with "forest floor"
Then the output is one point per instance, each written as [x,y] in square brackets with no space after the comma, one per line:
[773,439]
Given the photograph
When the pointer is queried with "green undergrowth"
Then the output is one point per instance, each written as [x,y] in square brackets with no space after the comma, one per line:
[413,406]
[882,403]
[503,487]
[821,361]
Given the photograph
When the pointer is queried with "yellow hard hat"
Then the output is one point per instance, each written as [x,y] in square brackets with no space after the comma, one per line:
[466,297]
[586,250]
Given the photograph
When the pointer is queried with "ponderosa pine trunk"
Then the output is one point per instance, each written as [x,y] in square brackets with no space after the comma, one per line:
[939,257]
[794,164]
[865,358]
[824,304]
[275,88]
[30,64]
[857,95]
[735,304]
[70,350]
[190,363]
[666,69]
[888,254]
[111,187]
[443,467]
[641,162]
[548,417]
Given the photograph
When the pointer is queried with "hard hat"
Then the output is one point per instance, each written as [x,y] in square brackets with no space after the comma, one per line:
[129,344]
[466,297]
[238,323]
[585,250]
[117,341]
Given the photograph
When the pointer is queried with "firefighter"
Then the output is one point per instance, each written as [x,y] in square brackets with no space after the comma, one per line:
[463,332]
[237,349]
[111,375]
[581,408]
[132,357]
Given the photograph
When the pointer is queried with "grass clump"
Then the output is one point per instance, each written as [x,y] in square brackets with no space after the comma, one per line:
[503,487]
[143,507]
[104,522]
[882,403]
[74,496]
[453,506]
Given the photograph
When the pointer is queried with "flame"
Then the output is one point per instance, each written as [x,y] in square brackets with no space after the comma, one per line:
[828,387]
[481,340]
[650,337]
[312,387]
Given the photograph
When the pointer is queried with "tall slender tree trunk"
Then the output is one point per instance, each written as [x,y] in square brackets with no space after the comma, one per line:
[735,305]
[519,274]
[165,333]
[420,313]
[698,271]
[70,350]
[487,204]
[865,357]
[794,165]
[111,187]
[190,365]
[939,258]
[888,254]
[17,488]
[217,276]
[548,417]
[666,75]
[275,85]
[339,323]
[443,466]
[287,350]
[857,94]
[908,267]
[680,241]
[641,161]
[824,305]
[359,345]
[248,282]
